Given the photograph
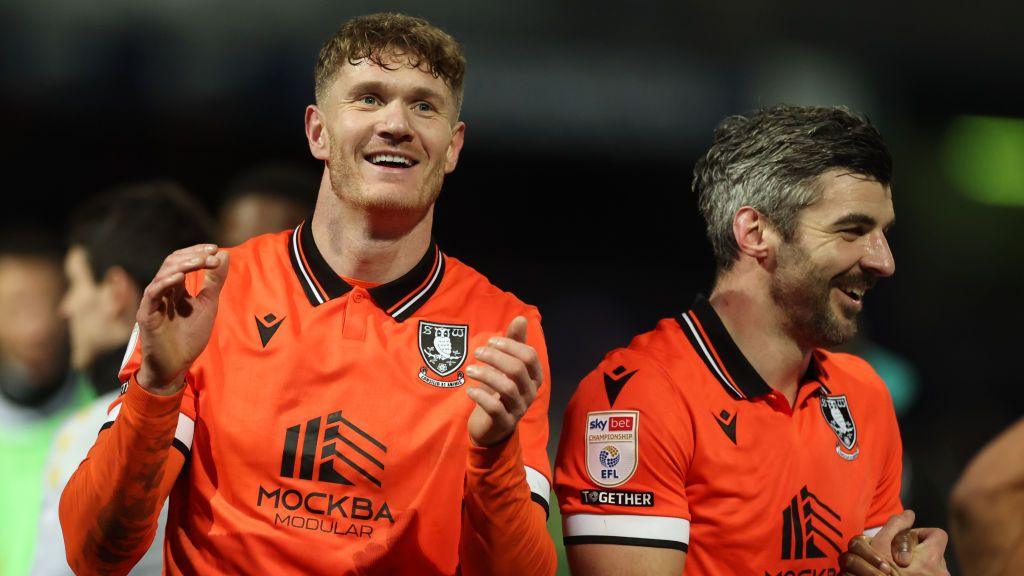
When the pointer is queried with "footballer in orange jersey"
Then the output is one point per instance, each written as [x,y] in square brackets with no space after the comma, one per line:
[305,406]
[728,440]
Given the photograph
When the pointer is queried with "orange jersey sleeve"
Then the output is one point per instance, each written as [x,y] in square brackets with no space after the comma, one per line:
[504,532]
[886,501]
[109,510]
[627,442]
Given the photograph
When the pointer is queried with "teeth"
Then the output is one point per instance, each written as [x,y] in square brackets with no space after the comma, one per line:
[390,158]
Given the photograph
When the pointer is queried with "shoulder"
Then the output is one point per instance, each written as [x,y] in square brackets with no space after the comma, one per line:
[463,284]
[853,374]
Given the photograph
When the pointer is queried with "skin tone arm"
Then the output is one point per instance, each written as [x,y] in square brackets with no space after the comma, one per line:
[897,550]
[987,507]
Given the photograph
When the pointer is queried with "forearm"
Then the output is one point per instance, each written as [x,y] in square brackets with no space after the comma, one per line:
[503,530]
[986,519]
[110,507]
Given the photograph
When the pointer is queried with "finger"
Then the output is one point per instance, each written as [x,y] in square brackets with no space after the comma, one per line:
[499,383]
[490,403]
[524,352]
[215,276]
[197,248]
[861,546]
[903,545]
[153,295]
[511,367]
[932,539]
[882,541]
[857,566]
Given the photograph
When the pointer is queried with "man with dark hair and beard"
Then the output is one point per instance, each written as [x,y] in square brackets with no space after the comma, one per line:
[729,439]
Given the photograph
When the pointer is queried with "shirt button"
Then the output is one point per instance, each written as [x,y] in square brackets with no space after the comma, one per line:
[357,297]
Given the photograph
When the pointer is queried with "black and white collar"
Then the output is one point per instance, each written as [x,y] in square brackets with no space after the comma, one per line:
[400,298]
[712,342]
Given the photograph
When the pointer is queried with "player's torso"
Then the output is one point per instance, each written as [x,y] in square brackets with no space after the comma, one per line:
[328,439]
[772,491]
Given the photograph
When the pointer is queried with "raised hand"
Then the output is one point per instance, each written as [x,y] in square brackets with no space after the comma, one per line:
[174,326]
[509,374]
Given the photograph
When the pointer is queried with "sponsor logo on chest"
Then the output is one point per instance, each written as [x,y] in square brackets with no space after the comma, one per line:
[612,446]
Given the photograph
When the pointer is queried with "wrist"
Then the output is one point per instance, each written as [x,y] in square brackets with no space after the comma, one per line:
[151,384]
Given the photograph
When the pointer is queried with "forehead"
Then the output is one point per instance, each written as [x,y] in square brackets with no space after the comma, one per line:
[397,74]
[844,193]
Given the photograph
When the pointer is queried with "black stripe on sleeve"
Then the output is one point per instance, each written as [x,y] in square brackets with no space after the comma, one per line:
[106,425]
[543,503]
[624,541]
[181,447]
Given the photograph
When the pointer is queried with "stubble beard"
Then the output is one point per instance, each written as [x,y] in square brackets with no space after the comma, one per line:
[803,294]
[350,187]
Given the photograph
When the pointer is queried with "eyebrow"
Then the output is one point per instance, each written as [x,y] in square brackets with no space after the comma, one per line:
[375,87]
[861,219]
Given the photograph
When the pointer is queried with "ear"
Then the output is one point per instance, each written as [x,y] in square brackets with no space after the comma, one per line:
[316,133]
[122,295]
[753,235]
[454,147]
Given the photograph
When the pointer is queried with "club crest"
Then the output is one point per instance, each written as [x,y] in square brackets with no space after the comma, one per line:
[836,411]
[443,348]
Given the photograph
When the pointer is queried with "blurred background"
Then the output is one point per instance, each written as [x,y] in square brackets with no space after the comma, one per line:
[583,123]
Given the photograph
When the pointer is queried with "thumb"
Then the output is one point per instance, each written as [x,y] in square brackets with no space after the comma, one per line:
[213,279]
[517,329]
[903,547]
[883,540]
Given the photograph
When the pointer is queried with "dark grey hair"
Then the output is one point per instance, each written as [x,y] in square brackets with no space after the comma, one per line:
[771,159]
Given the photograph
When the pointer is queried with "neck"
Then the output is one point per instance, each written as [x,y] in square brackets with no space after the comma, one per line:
[371,245]
[755,324]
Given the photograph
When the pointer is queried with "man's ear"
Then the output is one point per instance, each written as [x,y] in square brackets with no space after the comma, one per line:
[123,296]
[754,236]
[454,147]
[316,133]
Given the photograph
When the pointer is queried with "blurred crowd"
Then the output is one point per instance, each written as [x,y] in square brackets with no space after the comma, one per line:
[67,312]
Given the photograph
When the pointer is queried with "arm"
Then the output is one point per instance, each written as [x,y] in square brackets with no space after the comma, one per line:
[986,504]
[503,530]
[613,560]
[110,508]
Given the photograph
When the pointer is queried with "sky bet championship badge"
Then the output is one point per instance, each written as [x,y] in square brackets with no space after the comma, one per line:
[836,411]
[611,446]
[443,348]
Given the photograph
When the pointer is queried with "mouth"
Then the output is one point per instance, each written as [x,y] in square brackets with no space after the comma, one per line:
[393,160]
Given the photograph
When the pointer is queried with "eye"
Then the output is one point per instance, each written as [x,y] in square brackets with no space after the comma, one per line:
[424,107]
[369,100]
[851,233]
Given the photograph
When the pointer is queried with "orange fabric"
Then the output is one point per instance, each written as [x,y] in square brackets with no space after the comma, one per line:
[324,442]
[500,535]
[781,499]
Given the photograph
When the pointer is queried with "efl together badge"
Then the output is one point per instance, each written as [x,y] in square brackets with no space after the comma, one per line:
[443,348]
[612,446]
[836,411]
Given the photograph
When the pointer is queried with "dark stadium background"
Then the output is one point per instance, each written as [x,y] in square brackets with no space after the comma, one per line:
[584,120]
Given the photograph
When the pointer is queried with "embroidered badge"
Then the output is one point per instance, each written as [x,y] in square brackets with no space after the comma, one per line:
[443,349]
[836,411]
[612,446]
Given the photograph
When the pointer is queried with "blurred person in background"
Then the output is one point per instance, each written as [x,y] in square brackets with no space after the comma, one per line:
[729,440]
[35,389]
[267,198]
[117,242]
[987,508]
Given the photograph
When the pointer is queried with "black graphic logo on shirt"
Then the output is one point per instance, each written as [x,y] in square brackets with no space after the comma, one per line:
[836,411]
[268,327]
[614,382]
[809,528]
[728,425]
[443,348]
[327,442]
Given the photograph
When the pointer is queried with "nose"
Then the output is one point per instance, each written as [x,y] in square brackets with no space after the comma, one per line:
[878,256]
[394,124]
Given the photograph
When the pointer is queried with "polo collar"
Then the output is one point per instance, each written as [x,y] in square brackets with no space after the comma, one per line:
[713,344]
[399,298]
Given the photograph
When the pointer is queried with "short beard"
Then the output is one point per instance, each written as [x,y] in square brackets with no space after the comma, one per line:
[349,187]
[804,296]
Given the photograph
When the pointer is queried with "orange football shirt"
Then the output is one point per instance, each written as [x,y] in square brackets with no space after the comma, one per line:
[324,425]
[677,442]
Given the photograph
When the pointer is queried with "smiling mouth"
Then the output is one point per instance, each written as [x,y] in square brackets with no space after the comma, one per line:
[855,294]
[390,160]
